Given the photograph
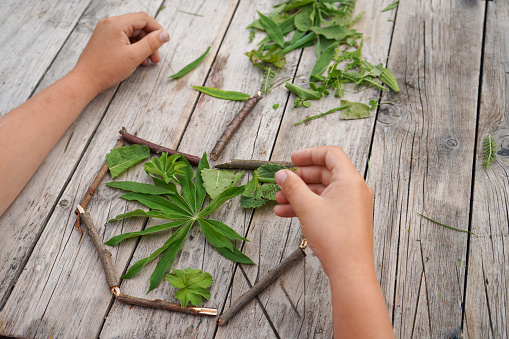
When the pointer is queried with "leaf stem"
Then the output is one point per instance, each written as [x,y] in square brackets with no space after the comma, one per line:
[452,228]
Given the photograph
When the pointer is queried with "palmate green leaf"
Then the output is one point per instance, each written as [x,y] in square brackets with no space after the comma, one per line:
[222,94]
[164,167]
[192,284]
[356,110]
[216,181]
[215,238]
[116,239]
[142,213]
[188,187]
[120,159]
[228,194]
[201,193]
[159,203]
[265,173]
[303,93]
[177,199]
[138,187]
[273,30]
[190,66]
[234,255]
[224,229]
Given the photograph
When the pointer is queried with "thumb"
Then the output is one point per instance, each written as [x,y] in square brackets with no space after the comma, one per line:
[149,44]
[295,190]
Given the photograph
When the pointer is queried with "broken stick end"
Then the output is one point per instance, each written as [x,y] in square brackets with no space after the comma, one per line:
[214,156]
[80,209]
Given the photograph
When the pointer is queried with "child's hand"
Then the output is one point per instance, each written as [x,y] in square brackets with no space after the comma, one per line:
[334,206]
[119,45]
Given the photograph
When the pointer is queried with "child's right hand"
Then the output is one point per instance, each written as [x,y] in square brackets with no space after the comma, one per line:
[117,46]
[334,206]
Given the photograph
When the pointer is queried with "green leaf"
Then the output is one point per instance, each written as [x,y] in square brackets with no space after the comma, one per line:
[216,181]
[274,56]
[136,268]
[222,94]
[322,114]
[452,228]
[254,201]
[192,285]
[142,213]
[325,58]
[215,238]
[164,167]
[177,199]
[158,203]
[201,193]
[116,239]
[272,29]
[302,42]
[265,173]
[391,6]
[336,32]
[224,229]
[303,20]
[235,255]
[298,3]
[356,110]
[120,159]
[169,254]
[228,194]
[188,187]
[303,93]
[269,191]
[275,106]
[137,187]
[189,67]
[489,151]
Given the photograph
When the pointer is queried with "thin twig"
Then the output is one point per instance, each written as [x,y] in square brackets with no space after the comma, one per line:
[164,305]
[193,159]
[261,285]
[251,164]
[103,253]
[91,190]
[233,125]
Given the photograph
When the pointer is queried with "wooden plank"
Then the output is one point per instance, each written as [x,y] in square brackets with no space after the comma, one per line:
[299,303]
[25,219]
[62,290]
[232,71]
[32,28]
[421,162]
[487,296]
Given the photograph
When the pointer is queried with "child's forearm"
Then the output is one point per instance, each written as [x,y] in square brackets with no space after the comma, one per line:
[29,132]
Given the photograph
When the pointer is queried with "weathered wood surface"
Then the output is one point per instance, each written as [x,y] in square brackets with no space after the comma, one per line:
[421,162]
[487,294]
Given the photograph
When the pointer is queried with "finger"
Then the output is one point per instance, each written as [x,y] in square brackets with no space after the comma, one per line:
[332,157]
[149,44]
[155,57]
[285,211]
[296,191]
[138,21]
[314,174]
[315,188]
[145,62]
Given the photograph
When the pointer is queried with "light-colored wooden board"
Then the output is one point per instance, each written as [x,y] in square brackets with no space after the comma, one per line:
[487,296]
[299,303]
[63,274]
[32,34]
[421,162]
[27,216]
[232,70]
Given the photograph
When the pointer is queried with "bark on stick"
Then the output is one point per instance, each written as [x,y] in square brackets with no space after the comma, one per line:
[233,125]
[261,285]
[164,305]
[251,164]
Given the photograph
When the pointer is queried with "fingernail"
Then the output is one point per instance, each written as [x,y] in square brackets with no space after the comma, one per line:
[280,177]
[165,37]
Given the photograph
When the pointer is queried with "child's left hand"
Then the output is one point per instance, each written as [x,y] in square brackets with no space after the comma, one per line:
[117,46]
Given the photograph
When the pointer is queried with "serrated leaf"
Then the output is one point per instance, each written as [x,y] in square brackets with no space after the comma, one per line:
[192,285]
[252,202]
[356,110]
[190,66]
[269,191]
[265,173]
[216,181]
[116,239]
[137,187]
[121,158]
[222,94]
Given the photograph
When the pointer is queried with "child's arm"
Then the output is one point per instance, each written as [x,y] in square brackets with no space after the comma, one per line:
[29,132]
[335,209]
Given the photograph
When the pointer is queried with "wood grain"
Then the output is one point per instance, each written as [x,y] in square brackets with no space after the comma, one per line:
[421,162]
[487,294]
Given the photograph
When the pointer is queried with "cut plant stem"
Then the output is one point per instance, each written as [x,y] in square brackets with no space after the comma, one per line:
[261,285]
[233,125]
[251,164]
[164,305]
[91,190]
[104,254]
[322,114]
[452,228]
[154,148]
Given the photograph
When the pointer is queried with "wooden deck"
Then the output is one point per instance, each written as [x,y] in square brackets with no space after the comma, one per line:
[420,154]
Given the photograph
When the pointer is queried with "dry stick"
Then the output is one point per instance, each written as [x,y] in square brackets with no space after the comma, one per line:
[91,190]
[164,305]
[111,278]
[251,164]
[261,285]
[233,125]
[193,159]
[103,253]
